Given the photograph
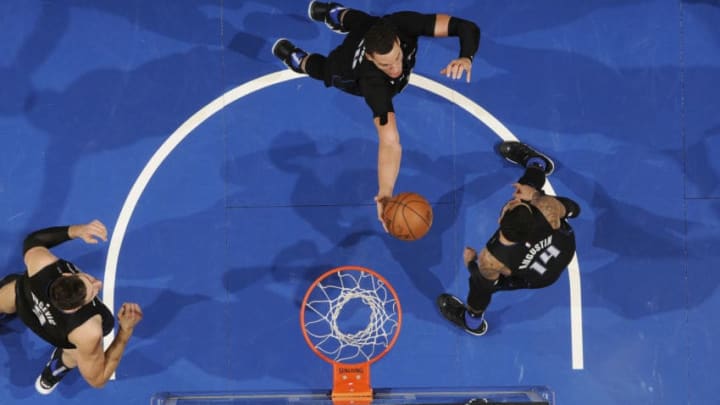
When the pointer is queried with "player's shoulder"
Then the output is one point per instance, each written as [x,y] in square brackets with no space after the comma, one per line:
[551,208]
[87,334]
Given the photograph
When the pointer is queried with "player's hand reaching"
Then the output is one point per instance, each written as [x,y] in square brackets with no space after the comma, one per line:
[456,67]
[91,232]
[380,202]
[130,314]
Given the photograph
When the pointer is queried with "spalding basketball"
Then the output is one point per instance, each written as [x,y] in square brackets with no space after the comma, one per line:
[408,216]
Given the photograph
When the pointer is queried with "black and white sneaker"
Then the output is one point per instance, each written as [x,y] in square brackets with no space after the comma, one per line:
[49,379]
[45,383]
[328,13]
[289,54]
[453,309]
[520,153]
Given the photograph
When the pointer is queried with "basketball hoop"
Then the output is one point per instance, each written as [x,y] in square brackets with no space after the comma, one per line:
[351,318]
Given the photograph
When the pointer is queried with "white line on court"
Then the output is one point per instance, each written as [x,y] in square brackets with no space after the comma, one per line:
[271,79]
[576,327]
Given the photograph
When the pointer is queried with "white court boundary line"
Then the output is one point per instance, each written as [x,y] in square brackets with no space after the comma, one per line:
[271,79]
[576,331]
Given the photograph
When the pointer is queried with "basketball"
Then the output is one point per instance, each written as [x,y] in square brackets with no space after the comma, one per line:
[408,216]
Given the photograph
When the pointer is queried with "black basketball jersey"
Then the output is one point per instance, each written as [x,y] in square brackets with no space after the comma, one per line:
[350,71]
[48,322]
[541,260]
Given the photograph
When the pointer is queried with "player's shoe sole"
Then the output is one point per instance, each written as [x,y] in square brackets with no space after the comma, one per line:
[453,309]
[519,154]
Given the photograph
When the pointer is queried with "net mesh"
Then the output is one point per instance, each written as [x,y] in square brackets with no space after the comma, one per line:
[351,316]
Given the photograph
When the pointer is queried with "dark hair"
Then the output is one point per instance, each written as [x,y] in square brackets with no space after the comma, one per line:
[67,292]
[517,224]
[380,38]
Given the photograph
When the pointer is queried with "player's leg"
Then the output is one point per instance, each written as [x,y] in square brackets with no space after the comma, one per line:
[338,17]
[331,14]
[470,317]
[292,56]
[313,64]
[509,283]
[326,69]
[59,365]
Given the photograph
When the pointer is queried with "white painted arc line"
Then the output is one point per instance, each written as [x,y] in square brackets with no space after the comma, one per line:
[465,103]
[233,95]
[576,322]
[576,326]
[154,163]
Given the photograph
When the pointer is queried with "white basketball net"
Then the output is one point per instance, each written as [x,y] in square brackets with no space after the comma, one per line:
[326,303]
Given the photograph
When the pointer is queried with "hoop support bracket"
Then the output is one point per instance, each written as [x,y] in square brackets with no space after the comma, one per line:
[351,384]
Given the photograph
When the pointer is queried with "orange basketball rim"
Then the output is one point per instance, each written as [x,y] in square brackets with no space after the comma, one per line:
[330,306]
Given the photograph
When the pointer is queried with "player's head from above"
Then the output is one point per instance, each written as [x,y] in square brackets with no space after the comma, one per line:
[72,291]
[382,47]
[516,221]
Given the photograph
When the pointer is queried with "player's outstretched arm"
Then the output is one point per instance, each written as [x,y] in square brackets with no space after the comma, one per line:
[95,365]
[36,247]
[92,232]
[469,34]
[389,157]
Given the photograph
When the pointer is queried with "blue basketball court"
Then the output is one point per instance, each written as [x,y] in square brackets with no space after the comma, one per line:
[229,184]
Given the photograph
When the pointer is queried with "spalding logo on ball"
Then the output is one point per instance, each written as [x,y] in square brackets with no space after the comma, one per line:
[408,216]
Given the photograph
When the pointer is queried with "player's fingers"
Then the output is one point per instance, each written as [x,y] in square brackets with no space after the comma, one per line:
[95,226]
[131,311]
[462,69]
[382,221]
[99,230]
[135,311]
[468,70]
[93,230]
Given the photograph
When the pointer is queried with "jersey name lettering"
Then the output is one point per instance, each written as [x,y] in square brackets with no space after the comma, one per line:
[546,250]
